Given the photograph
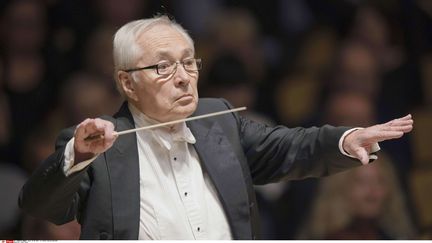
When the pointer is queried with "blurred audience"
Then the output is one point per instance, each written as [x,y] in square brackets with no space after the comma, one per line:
[115,13]
[25,71]
[235,30]
[349,108]
[85,95]
[362,204]
[11,181]
[357,69]
[228,78]
[5,128]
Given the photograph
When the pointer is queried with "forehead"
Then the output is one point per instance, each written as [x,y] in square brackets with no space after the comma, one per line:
[164,40]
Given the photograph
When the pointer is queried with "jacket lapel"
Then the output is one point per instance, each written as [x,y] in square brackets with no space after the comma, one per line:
[123,170]
[223,167]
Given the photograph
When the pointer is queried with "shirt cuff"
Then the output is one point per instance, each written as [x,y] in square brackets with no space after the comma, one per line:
[375,147]
[69,157]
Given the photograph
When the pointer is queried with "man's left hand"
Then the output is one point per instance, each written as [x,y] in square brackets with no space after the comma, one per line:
[359,142]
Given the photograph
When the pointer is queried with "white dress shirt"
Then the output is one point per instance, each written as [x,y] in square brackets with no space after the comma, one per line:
[177,198]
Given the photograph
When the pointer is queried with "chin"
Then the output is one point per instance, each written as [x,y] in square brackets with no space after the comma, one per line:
[189,109]
[184,111]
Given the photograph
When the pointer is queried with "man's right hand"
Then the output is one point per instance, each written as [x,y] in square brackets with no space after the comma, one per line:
[87,149]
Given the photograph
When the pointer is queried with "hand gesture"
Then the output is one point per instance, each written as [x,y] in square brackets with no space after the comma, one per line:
[359,142]
[101,130]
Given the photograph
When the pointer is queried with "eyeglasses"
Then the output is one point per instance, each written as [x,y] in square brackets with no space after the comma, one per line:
[167,68]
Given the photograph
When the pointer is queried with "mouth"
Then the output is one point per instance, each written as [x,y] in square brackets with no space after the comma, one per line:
[185,97]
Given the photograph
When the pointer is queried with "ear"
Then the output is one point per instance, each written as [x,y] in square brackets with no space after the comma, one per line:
[127,84]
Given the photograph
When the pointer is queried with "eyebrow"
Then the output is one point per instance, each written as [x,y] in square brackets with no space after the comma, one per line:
[166,54]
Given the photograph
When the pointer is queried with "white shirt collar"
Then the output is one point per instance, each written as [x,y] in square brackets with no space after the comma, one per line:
[163,135]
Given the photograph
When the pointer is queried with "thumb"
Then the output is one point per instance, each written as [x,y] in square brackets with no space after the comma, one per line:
[362,155]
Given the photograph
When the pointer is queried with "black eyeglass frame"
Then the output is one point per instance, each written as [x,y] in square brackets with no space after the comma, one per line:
[198,63]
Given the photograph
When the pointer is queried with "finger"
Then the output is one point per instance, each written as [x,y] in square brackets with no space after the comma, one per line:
[386,135]
[94,137]
[81,132]
[374,136]
[99,125]
[368,149]
[400,122]
[95,130]
[407,117]
[397,125]
[362,155]
[109,135]
[405,128]
[109,131]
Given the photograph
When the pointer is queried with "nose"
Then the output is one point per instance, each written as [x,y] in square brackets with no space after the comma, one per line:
[181,76]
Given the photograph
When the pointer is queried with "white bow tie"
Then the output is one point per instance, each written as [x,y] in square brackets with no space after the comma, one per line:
[181,134]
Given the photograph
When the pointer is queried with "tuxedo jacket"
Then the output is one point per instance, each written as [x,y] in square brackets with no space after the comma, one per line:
[235,152]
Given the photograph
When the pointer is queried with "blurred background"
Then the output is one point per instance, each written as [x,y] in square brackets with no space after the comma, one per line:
[296,63]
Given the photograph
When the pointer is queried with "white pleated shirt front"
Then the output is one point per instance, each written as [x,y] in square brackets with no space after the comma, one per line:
[178,199]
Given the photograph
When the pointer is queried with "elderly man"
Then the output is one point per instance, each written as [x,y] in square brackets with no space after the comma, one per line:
[187,181]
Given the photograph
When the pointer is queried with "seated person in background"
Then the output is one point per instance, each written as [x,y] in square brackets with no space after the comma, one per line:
[365,203]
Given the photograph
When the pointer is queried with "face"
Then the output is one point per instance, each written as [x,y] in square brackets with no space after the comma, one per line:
[162,97]
[368,192]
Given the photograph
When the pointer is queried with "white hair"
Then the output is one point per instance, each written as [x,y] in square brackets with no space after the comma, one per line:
[126,51]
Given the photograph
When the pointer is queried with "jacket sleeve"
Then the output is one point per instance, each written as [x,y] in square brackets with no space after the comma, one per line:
[49,193]
[276,153]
